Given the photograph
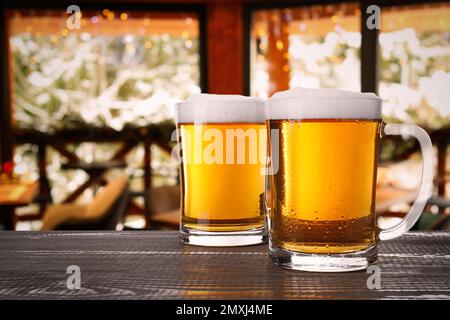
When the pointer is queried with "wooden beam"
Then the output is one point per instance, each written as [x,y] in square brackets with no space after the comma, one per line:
[278,53]
[225,48]
[97,176]
[6,138]
[44,185]
[163,145]
[442,147]
[61,148]
[93,178]
[160,130]
[369,53]
[147,178]
[43,23]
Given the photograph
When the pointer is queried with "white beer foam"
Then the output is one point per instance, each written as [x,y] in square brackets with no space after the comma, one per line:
[300,103]
[220,108]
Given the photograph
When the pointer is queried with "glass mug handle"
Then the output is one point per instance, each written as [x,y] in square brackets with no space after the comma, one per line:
[426,184]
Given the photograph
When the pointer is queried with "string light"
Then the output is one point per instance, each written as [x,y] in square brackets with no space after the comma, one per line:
[286,68]
[261,32]
[279,44]
[185,34]
[148,44]
[123,16]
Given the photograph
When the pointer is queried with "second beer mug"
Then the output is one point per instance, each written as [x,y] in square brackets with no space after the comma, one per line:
[322,207]
[223,145]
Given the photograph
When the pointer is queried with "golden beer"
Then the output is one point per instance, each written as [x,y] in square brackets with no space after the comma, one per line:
[323,193]
[323,152]
[221,195]
[223,143]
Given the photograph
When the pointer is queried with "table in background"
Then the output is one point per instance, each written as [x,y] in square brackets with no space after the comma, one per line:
[155,265]
[12,196]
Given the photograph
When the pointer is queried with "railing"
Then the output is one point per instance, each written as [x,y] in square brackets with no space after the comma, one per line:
[130,137]
[160,135]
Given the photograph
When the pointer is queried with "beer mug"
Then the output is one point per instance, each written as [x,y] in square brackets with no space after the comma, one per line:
[324,149]
[223,142]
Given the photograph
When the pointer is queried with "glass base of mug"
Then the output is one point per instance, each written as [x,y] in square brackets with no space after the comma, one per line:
[342,262]
[223,239]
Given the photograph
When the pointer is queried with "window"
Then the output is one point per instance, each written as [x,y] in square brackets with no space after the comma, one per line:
[319,47]
[120,69]
[313,47]
[415,64]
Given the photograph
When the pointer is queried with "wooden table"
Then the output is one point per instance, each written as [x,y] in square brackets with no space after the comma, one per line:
[12,196]
[155,265]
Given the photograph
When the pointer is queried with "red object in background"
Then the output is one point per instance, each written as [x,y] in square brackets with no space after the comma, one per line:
[7,167]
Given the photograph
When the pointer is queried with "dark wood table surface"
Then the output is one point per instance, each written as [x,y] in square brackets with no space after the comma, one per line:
[155,265]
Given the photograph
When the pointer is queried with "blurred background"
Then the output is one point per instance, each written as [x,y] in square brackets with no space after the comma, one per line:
[84,107]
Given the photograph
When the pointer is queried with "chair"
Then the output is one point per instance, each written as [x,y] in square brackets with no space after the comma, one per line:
[164,207]
[103,213]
